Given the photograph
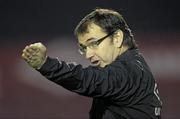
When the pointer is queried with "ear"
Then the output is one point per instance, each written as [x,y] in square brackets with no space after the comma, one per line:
[118,38]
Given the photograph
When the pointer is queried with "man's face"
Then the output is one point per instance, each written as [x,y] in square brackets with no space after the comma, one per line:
[102,54]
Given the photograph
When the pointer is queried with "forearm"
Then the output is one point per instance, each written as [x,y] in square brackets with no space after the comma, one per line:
[59,72]
[90,81]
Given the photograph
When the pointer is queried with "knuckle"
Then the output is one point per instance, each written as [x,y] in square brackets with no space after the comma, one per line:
[24,50]
[31,45]
[22,55]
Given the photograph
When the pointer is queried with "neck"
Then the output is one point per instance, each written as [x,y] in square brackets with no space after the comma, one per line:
[122,50]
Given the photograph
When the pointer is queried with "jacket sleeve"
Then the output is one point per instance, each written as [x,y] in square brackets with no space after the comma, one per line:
[91,81]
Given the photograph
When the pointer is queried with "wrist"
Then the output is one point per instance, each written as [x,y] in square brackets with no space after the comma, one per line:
[39,67]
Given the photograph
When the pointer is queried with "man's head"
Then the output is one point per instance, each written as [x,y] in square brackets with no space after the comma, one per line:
[103,35]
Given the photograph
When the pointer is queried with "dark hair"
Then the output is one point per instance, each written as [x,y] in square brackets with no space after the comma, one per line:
[110,21]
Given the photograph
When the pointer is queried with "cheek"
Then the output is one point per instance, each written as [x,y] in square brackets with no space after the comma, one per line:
[105,53]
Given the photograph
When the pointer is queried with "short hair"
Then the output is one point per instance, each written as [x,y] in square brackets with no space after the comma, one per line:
[110,21]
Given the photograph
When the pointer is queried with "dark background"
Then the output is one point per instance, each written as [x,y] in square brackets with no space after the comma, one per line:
[25,94]
[55,17]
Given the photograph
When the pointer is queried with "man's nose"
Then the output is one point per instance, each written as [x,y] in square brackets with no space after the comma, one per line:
[89,53]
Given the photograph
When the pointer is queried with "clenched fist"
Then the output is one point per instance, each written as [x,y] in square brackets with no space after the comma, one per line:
[35,55]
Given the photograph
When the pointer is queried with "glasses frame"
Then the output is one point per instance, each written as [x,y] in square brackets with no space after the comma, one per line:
[92,45]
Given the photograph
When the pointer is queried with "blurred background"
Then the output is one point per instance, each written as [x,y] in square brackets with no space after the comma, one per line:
[25,94]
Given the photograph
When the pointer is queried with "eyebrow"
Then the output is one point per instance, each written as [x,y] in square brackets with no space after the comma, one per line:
[91,39]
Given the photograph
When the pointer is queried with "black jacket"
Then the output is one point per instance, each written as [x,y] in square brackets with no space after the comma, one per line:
[124,89]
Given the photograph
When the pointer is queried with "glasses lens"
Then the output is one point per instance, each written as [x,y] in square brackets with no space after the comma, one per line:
[92,45]
[82,49]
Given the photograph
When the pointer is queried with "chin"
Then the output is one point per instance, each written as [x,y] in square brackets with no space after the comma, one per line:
[102,65]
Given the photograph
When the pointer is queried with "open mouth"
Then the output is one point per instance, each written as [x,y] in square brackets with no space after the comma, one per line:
[95,63]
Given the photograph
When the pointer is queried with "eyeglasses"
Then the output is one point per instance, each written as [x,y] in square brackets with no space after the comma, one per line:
[92,45]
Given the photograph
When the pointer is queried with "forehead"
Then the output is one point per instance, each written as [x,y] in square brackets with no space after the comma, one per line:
[93,32]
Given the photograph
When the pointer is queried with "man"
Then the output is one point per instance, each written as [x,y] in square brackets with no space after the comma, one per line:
[120,82]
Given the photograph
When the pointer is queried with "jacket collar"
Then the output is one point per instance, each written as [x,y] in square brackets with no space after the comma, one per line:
[128,54]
